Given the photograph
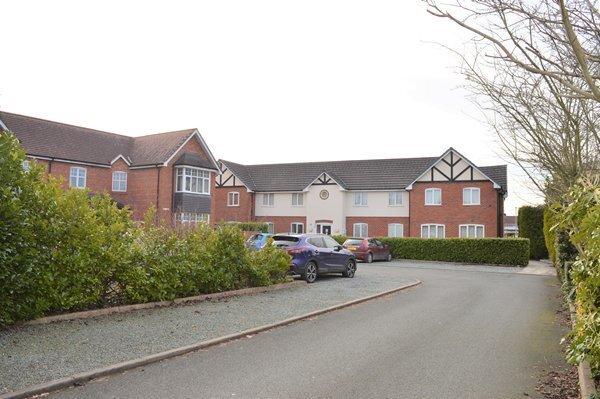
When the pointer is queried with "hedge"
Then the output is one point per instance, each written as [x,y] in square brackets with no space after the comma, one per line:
[531,225]
[496,251]
[248,226]
[550,233]
[65,250]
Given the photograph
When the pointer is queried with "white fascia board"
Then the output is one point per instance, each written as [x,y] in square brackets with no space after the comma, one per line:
[196,134]
[316,178]
[68,161]
[122,157]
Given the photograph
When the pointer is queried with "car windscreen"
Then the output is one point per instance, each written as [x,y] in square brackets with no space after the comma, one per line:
[285,241]
[353,242]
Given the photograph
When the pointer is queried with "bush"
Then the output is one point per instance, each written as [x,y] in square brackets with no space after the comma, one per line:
[550,233]
[69,250]
[531,225]
[248,226]
[581,217]
[497,251]
[340,238]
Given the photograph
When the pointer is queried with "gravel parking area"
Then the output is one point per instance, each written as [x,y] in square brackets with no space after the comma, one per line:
[39,353]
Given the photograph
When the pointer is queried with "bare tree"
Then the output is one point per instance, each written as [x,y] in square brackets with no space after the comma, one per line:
[536,93]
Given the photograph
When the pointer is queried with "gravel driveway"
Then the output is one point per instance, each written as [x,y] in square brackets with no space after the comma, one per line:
[34,354]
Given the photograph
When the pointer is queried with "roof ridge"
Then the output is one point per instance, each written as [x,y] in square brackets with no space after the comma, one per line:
[190,130]
[338,161]
[68,124]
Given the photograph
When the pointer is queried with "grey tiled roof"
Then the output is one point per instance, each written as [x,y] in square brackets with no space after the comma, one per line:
[368,174]
[59,140]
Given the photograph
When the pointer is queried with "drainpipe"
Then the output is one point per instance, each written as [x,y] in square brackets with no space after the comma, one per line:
[157,188]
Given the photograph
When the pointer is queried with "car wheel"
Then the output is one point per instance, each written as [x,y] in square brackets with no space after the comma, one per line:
[389,257]
[369,258]
[310,274]
[350,269]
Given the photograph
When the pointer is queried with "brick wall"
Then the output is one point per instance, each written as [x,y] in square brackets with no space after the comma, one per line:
[222,212]
[452,212]
[142,191]
[282,224]
[378,226]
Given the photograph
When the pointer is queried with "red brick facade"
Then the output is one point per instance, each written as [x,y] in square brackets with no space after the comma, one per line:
[452,212]
[282,224]
[220,211]
[146,187]
[377,226]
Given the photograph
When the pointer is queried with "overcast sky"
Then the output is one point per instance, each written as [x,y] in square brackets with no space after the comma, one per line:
[263,81]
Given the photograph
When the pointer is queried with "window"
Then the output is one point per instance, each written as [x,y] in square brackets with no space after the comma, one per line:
[297,228]
[270,227]
[193,180]
[360,199]
[330,242]
[471,231]
[317,242]
[297,199]
[268,199]
[77,177]
[119,181]
[360,230]
[26,165]
[187,217]
[471,196]
[433,196]
[233,198]
[395,230]
[433,231]
[395,198]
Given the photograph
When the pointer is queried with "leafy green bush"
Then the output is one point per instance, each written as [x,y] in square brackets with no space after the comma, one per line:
[550,232]
[531,225]
[581,217]
[248,226]
[339,238]
[497,251]
[63,250]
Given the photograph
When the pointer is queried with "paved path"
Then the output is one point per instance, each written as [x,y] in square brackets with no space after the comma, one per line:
[473,333]
[31,355]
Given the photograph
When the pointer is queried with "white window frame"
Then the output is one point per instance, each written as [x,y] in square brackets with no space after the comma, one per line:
[270,227]
[233,198]
[433,190]
[360,226]
[119,181]
[26,165]
[268,199]
[395,226]
[294,227]
[77,177]
[393,197]
[190,217]
[471,225]
[436,226]
[469,196]
[361,199]
[297,199]
[202,180]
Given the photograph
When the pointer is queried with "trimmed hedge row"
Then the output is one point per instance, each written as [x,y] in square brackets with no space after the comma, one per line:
[495,251]
[531,225]
[249,226]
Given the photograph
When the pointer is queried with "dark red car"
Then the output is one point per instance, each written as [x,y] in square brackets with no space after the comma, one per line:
[368,249]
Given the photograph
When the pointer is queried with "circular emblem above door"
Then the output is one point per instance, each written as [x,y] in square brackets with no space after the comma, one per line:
[324,194]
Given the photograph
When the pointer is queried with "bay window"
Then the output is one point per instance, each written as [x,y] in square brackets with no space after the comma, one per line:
[193,180]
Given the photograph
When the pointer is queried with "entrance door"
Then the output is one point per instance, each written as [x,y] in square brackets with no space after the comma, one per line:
[323,228]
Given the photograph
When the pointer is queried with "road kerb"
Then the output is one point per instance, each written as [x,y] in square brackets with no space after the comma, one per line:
[82,378]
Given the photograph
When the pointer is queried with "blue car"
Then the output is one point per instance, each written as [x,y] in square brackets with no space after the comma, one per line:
[316,254]
[258,241]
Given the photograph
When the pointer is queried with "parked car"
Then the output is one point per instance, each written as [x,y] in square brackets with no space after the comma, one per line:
[316,254]
[368,249]
[258,241]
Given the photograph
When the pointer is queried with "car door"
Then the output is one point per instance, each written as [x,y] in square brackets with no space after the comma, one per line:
[321,253]
[381,252]
[337,258]
[373,248]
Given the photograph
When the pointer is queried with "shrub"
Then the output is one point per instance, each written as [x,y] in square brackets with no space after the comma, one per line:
[498,251]
[339,238]
[248,226]
[550,233]
[531,225]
